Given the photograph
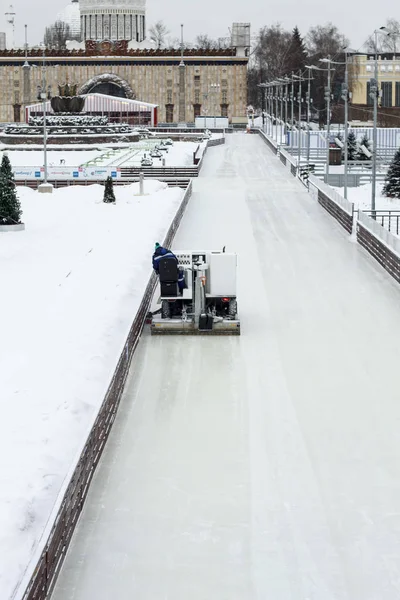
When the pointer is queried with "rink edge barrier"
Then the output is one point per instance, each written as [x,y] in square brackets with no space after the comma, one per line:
[380,244]
[41,575]
[339,208]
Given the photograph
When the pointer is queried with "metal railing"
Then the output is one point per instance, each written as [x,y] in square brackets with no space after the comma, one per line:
[388,219]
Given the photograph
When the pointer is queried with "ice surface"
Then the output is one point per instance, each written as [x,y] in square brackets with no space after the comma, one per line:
[70,286]
[263,467]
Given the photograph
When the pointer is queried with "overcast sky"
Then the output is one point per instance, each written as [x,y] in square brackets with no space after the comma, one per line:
[355,18]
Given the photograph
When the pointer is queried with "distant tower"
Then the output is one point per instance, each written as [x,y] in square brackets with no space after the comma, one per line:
[122,20]
[71,16]
[10,14]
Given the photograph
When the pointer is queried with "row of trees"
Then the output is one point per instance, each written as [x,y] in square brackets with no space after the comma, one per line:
[278,53]
[59,33]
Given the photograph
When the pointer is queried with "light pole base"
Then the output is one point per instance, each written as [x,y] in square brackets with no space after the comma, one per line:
[45,188]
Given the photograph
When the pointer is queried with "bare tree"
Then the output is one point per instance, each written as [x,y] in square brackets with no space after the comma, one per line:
[205,42]
[158,34]
[272,51]
[386,43]
[323,41]
[57,35]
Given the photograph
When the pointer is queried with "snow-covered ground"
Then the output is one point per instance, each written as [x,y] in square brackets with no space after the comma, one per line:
[34,158]
[179,154]
[361,197]
[70,286]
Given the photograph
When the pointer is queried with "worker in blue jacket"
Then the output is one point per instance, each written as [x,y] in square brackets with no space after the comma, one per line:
[159,253]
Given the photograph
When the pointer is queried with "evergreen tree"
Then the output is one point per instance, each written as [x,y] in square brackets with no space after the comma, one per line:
[10,207]
[297,52]
[109,196]
[352,148]
[392,181]
[364,142]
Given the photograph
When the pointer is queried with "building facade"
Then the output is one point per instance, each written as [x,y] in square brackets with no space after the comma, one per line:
[207,82]
[363,69]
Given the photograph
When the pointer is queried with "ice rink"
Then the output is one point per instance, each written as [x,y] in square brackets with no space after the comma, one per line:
[264,467]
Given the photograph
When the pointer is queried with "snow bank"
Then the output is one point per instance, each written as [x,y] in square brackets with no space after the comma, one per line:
[70,287]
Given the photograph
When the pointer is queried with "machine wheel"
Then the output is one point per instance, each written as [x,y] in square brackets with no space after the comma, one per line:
[165,309]
[233,308]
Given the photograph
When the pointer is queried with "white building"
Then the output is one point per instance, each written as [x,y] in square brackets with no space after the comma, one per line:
[121,20]
[71,16]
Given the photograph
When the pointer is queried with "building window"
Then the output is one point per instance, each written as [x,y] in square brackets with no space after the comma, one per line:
[169,96]
[224,83]
[197,96]
[224,110]
[169,113]
[397,98]
[386,99]
[224,97]
[197,80]
[169,83]
[196,110]
[369,68]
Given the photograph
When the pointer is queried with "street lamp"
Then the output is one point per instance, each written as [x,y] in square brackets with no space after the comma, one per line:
[308,102]
[328,113]
[283,82]
[374,93]
[299,79]
[292,111]
[45,186]
[263,87]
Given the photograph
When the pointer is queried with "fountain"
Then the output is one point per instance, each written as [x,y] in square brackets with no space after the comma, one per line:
[69,124]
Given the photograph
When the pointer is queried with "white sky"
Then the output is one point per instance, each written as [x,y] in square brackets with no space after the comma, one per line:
[353,17]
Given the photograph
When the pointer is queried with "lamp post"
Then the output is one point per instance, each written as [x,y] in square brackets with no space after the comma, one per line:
[263,87]
[328,114]
[374,92]
[44,187]
[292,111]
[299,79]
[346,97]
[308,102]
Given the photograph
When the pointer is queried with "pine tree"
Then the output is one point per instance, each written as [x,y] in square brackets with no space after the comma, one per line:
[352,148]
[109,196]
[392,181]
[364,142]
[297,53]
[10,207]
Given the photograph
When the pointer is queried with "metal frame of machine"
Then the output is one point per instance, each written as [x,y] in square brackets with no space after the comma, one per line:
[207,305]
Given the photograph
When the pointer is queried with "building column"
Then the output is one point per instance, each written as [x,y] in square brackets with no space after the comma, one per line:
[182,93]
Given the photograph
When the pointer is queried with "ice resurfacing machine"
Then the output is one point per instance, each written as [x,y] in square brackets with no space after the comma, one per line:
[207,304]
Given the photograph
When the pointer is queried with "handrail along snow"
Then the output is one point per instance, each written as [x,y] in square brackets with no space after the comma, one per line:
[207,304]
